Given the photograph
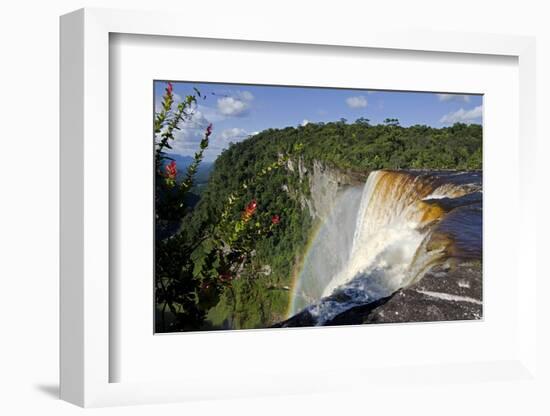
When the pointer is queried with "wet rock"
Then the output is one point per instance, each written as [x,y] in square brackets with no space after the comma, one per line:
[441,295]
[304,318]
[449,292]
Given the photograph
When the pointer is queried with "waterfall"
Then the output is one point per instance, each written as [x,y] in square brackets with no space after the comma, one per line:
[384,249]
[329,249]
[389,229]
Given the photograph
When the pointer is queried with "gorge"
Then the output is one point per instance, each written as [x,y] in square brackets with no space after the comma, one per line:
[373,224]
[392,236]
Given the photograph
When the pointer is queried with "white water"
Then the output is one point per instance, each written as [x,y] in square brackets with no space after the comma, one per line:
[447,190]
[386,252]
[386,236]
[329,252]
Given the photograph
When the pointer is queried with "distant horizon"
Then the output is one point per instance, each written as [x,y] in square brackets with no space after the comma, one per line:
[239,111]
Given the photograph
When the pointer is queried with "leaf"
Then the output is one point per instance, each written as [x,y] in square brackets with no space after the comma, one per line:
[216,263]
[208,245]
[197,268]
[197,254]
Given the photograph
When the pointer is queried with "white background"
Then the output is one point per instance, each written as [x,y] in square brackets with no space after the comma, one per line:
[29,209]
[308,351]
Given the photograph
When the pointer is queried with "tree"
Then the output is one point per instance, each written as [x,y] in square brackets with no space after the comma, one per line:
[190,274]
[391,122]
[362,121]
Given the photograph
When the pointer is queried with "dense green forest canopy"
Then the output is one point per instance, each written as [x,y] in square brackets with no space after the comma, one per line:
[260,296]
[363,146]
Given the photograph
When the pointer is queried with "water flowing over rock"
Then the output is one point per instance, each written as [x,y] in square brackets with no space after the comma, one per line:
[404,247]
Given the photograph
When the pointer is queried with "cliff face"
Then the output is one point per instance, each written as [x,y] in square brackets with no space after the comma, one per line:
[323,185]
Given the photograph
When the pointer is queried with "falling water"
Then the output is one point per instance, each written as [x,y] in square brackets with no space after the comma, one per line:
[329,251]
[384,247]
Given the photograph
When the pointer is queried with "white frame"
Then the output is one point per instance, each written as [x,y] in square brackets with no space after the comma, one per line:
[85,185]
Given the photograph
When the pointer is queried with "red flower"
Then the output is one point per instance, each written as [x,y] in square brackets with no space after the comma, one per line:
[250,209]
[171,170]
[209,130]
[275,219]
[169,88]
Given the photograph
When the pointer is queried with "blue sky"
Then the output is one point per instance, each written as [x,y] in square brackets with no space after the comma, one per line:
[238,111]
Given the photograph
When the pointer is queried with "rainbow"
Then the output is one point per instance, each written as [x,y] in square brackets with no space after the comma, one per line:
[298,270]
[326,251]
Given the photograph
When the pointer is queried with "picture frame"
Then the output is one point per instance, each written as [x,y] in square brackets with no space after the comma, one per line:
[86,302]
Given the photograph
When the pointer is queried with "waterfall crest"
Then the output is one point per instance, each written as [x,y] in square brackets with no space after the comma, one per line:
[386,247]
[389,229]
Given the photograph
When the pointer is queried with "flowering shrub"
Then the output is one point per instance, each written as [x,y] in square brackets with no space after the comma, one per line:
[250,210]
[190,275]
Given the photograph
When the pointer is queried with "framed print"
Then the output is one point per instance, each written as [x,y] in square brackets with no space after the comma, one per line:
[287,204]
[315,222]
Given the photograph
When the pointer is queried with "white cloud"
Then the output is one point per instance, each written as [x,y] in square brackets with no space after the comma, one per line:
[197,119]
[235,132]
[186,141]
[305,122]
[246,95]
[237,104]
[221,141]
[211,114]
[356,102]
[192,129]
[453,97]
[229,106]
[462,116]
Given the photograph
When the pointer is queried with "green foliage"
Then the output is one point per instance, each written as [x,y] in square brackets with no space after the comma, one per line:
[229,265]
[258,299]
[192,269]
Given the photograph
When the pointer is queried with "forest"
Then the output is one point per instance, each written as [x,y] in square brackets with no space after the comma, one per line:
[227,261]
